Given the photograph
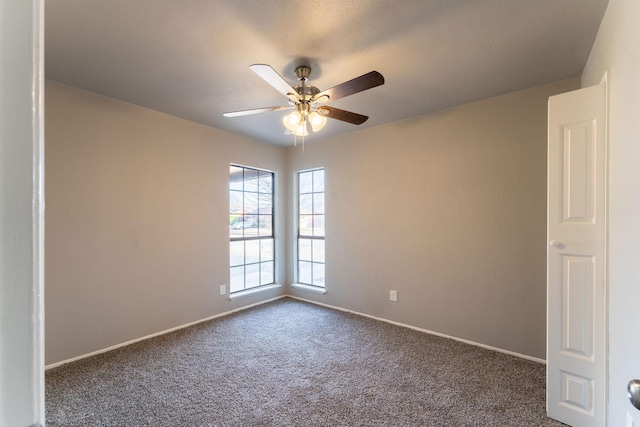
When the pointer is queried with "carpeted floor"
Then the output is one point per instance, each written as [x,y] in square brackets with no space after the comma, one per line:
[290,363]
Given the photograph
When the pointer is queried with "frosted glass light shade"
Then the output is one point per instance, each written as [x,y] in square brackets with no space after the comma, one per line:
[317,121]
[301,129]
[292,121]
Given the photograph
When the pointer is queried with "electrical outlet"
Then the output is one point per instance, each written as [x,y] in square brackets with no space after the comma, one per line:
[393,296]
[223,289]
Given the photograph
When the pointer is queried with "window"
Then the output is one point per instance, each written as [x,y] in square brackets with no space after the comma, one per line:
[251,245]
[311,227]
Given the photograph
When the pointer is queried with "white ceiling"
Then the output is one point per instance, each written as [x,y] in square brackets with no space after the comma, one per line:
[190,58]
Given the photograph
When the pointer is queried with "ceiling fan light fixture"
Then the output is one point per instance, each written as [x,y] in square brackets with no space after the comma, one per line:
[301,129]
[292,121]
[317,121]
[306,99]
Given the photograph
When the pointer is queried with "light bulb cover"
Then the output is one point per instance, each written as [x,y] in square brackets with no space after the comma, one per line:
[317,121]
[301,129]
[294,117]
[292,121]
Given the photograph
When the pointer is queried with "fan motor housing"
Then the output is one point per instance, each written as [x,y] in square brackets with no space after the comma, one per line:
[306,92]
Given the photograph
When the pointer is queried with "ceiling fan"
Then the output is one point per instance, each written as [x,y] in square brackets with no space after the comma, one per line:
[308,102]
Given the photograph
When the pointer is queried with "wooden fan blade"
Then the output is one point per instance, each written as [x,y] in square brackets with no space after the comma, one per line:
[255,111]
[364,82]
[345,116]
[270,76]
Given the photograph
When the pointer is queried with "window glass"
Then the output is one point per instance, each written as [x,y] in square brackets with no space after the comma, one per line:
[305,179]
[304,249]
[318,250]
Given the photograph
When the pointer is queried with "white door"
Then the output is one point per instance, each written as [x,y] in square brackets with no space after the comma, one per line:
[21,214]
[576,257]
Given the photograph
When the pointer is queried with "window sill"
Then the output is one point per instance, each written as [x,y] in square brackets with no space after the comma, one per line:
[309,288]
[253,291]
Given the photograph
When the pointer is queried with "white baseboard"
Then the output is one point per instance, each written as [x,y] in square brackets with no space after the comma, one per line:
[226,313]
[146,337]
[426,331]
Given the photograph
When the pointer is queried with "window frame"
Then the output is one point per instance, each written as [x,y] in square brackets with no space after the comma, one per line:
[251,238]
[310,285]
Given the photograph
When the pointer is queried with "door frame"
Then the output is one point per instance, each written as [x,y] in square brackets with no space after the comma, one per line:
[607,191]
[22,214]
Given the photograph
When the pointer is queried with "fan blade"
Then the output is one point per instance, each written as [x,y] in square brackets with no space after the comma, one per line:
[364,82]
[255,111]
[270,75]
[345,116]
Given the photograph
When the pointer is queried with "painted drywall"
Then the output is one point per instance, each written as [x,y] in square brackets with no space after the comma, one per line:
[21,214]
[449,209]
[137,222]
[617,52]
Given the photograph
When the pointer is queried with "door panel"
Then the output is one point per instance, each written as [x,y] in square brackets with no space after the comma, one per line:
[579,172]
[577,298]
[577,393]
[576,226]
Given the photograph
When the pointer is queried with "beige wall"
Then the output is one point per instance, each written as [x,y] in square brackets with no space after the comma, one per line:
[136,214]
[617,52]
[449,209]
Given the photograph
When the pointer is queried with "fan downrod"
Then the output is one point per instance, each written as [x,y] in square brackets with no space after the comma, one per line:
[305,92]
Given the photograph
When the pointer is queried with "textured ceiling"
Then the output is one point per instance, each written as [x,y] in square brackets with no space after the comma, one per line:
[190,58]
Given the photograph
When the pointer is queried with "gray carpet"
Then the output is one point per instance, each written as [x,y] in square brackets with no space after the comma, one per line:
[289,363]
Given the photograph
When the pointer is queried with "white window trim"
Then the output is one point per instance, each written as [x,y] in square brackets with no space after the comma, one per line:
[309,288]
[321,290]
[253,291]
